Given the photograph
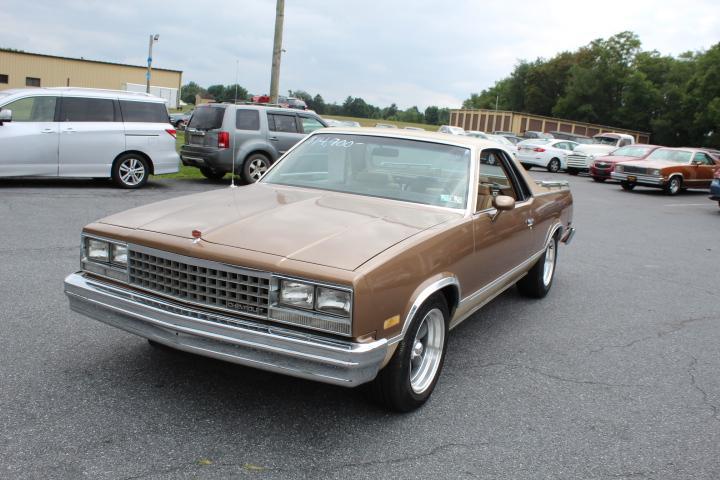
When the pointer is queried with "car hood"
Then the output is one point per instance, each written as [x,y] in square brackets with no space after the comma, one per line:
[659,164]
[594,149]
[325,228]
[617,159]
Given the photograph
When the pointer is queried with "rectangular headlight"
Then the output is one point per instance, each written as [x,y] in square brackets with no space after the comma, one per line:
[119,254]
[334,302]
[97,250]
[297,294]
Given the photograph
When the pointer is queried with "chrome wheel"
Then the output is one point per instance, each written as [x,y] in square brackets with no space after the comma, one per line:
[549,266]
[674,186]
[132,171]
[554,165]
[257,168]
[426,351]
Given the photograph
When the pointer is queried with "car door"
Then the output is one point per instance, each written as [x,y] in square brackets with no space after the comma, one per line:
[92,135]
[503,240]
[29,143]
[283,131]
[704,169]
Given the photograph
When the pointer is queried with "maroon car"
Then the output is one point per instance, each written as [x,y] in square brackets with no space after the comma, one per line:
[602,167]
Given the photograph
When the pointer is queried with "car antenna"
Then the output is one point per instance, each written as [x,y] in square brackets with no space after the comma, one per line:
[237,79]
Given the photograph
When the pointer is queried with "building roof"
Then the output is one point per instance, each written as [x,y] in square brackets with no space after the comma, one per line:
[21,52]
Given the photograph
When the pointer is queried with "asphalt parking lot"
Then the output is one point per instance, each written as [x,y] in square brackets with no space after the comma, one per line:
[613,376]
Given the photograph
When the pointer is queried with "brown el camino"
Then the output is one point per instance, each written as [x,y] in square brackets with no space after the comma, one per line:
[672,169]
[347,263]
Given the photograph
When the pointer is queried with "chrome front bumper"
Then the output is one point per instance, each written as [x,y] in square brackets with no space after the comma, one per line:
[640,179]
[245,342]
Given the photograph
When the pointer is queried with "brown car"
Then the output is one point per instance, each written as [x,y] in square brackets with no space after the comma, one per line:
[672,169]
[348,262]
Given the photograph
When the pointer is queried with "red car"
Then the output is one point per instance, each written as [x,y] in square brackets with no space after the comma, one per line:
[602,167]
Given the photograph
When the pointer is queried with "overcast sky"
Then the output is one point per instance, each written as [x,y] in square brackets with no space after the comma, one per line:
[412,52]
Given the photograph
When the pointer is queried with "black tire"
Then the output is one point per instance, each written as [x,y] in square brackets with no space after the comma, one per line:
[130,171]
[535,284]
[212,174]
[627,186]
[255,165]
[673,186]
[392,387]
[599,179]
[572,171]
[527,166]
[553,166]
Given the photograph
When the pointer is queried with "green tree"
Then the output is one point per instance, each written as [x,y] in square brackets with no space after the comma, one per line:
[189,90]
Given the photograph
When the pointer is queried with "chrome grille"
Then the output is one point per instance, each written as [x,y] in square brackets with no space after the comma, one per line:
[577,160]
[200,282]
[631,169]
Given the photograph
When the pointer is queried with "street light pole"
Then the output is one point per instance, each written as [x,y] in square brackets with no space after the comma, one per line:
[153,39]
[277,51]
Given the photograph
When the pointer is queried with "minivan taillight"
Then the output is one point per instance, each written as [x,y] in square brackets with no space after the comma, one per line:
[223,140]
[172,132]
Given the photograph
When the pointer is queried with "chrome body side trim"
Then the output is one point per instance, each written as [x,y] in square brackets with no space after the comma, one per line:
[420,299]
[229,338]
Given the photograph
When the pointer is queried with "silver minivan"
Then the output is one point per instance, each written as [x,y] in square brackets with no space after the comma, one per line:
[78,132]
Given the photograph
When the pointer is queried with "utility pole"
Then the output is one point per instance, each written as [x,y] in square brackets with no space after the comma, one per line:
[153,39]
[277,51]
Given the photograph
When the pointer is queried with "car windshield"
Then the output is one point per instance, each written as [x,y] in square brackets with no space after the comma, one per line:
[631,151]
[675,156]
[501,139]
[585,141]
[400,169]
[604,140]
[207,118]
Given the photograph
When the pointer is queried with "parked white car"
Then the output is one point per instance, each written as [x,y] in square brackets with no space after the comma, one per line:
[545,152]
[79,132]
[451,130]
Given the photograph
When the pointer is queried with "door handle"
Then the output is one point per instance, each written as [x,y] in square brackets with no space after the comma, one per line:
[273,139]
[47,130]
[69,130]
[530,223]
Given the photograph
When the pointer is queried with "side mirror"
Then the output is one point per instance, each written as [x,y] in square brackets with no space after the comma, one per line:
[502,203]
[5,116]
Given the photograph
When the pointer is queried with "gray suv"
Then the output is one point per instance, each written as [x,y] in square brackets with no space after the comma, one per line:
[254,135]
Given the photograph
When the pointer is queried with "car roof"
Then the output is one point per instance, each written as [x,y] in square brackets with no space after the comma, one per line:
[86,92]
[257,106]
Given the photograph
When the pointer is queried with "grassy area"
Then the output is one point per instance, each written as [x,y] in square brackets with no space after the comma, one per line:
[370,122]
[185,172]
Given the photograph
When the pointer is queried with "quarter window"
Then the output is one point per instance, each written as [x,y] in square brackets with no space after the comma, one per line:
[87,110]
[32,82]
[145,112]
[247,119]
[33,109]
[282,123]
[309,125]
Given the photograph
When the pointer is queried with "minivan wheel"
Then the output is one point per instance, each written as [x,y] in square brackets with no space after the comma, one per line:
[212,174]
[254,167]
[410,376]
[130,171]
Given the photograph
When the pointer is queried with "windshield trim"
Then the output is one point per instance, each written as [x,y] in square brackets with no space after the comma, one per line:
[472,172]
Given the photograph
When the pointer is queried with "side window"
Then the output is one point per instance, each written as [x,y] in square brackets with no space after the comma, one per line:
[494,179]
[247,119]
[562,145]
[309,124]
[75,109]
[703,159]
[282,123]
[33,109]
[624,142]
[145,112]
